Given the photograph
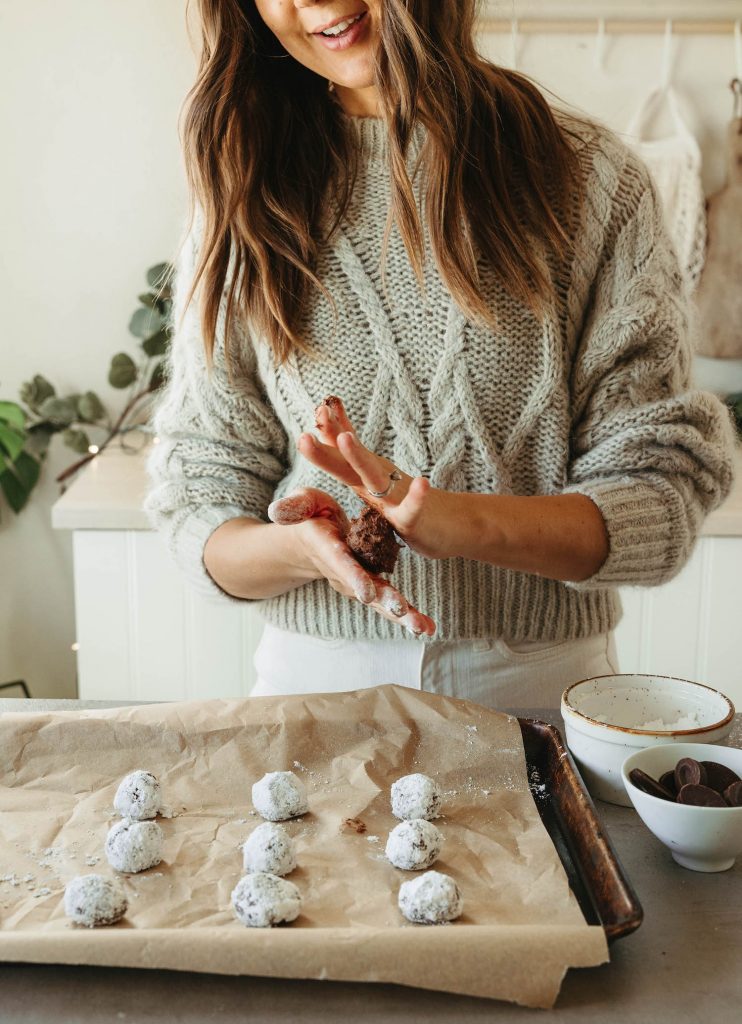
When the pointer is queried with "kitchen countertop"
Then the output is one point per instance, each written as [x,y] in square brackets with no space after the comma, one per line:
[681,967]
[108,494]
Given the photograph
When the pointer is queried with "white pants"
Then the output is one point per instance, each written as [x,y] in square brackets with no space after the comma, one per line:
[490,672]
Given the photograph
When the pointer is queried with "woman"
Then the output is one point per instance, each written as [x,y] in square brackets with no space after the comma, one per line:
[382,215]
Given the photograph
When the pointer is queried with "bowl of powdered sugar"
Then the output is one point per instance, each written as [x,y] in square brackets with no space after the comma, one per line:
[606,718]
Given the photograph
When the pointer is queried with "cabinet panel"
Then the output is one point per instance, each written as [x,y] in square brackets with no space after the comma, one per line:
[144,635]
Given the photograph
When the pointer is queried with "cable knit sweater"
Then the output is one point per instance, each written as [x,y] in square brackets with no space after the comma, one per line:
[594,399]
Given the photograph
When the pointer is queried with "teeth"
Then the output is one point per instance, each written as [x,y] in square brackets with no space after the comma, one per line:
[340,27]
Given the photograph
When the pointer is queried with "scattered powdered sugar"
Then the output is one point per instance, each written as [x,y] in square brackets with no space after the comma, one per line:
[43,891]
[372,839]
[537,787]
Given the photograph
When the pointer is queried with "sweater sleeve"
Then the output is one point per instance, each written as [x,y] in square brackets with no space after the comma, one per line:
[652,454]
[221,449]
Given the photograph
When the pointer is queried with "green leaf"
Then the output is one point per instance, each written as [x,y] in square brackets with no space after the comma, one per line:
[60,411]
[90,408]
[39,436]
[148,299]
[27,470]
[35,391]
[11,441]
[77,440]
[157,344]
[123,371]
[145,322]
[157,377]
[18,482]
[12,414]
[159,275]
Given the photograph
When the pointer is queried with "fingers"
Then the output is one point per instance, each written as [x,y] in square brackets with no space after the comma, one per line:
[372,470]
[331,419]
[329,459]
[347,576]
[407,512]
[307,503]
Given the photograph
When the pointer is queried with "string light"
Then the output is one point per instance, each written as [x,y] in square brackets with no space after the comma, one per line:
[93,449]
[155,440]
[75,646]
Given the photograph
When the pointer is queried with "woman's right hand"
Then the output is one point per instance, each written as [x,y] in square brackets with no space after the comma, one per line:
[322,526]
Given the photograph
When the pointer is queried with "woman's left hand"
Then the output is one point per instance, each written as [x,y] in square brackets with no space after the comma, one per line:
[424,516]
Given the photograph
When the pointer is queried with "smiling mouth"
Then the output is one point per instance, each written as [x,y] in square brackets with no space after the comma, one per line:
[341,28]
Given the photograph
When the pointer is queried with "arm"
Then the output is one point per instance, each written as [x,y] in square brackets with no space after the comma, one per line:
[222,451]
[649,457]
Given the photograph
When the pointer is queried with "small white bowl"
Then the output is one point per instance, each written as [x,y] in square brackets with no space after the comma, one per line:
[626,702]
[699,838]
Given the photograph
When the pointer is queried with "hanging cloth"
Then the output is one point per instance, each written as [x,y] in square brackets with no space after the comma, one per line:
[675,165]
[719,295]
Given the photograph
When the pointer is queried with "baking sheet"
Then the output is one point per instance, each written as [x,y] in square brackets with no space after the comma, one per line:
[521,927]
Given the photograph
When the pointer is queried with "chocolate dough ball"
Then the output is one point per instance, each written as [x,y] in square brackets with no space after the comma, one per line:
[280,795]
[414,845]
[133,846]
[269,849]
[371,539]
[138,796]
[431,898]
[261,900]
[93,900]
[416,796]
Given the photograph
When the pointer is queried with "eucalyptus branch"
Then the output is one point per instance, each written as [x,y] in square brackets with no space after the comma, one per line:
[115,431]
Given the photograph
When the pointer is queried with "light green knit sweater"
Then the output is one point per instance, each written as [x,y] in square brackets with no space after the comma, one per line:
[595,399]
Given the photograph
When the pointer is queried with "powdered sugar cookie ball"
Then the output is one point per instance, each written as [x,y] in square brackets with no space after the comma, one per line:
[269,849]
[94,900]
[261,900]
[134,845]
[430,899]
[279,795]
[416,796]
[138,796]
[414,845]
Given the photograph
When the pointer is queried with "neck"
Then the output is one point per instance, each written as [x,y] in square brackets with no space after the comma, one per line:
[358,102]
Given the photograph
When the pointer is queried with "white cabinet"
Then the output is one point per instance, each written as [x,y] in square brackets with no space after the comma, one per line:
[144,635]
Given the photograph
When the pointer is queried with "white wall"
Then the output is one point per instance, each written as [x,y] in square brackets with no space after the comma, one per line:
[92,192]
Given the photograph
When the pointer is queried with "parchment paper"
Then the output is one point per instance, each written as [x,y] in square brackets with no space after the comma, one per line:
[521,928]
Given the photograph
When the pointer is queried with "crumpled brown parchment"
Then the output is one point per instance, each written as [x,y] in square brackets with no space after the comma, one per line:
[521,928]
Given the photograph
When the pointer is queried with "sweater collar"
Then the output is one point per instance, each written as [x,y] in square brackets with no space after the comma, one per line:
[371,136]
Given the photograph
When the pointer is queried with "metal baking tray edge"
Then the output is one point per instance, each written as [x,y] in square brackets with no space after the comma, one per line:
[600,885]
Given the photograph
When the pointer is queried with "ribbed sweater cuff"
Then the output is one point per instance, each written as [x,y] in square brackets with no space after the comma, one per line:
[643,537]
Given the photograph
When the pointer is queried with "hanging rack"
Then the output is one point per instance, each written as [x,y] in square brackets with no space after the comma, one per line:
[587,26]
[635,17]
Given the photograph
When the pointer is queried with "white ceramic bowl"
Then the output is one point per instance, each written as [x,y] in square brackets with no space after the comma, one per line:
[700,838]
[603,718]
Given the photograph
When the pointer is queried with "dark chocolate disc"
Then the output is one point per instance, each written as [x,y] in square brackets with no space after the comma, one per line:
[667,779]
[718,776]
[733,794]
[701,796]
[649,785]
[689,772]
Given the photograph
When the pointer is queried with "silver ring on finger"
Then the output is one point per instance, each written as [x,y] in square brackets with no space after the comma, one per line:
[393,477]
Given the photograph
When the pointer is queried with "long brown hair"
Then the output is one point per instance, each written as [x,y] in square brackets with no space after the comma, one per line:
[264,140]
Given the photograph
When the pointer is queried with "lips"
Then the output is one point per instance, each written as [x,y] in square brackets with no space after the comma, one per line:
[337,21]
